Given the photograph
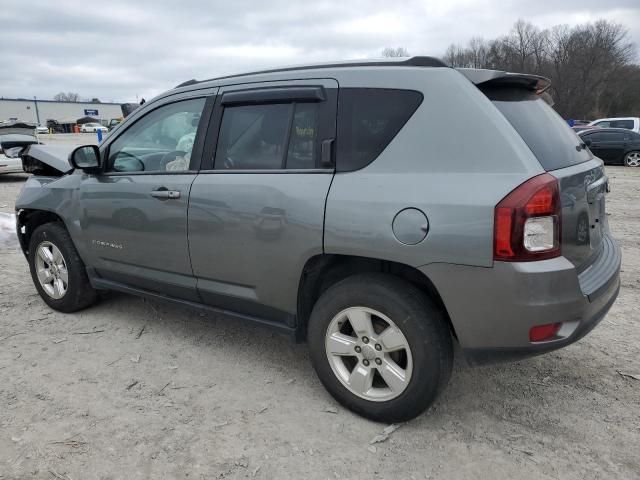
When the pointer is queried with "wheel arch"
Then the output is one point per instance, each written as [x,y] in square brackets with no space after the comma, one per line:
[27,220]
[323,270]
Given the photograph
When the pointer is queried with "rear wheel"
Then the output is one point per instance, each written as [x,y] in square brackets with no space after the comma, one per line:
[57,270]
[632,159]
[380,346]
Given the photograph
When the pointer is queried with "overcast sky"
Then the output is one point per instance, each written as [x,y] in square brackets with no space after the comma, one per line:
[122,50]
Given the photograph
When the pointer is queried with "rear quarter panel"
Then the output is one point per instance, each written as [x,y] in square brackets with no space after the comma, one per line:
[455,159]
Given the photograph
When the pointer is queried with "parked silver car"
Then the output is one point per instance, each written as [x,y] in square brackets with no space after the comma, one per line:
[340,204]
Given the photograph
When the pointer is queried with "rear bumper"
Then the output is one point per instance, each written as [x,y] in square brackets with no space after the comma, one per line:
[493,309]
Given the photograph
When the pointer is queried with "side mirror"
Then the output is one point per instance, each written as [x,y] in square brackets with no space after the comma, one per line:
[86,157]
[587,142]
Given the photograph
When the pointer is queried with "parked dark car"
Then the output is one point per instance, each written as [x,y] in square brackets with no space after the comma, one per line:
[615,146]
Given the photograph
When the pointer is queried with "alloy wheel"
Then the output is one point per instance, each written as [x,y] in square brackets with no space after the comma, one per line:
[632,159]
[368,354]
[51,269]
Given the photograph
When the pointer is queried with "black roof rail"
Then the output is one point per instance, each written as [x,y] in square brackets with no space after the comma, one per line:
[193,81]
[408,62]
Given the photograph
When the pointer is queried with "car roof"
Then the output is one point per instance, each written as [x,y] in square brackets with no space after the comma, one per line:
[614,118]
[419,61]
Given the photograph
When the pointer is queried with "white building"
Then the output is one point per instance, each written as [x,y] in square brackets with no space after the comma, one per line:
[39,111]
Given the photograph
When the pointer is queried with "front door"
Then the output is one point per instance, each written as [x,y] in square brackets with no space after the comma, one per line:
[134,214]
[257,208]
[608,145]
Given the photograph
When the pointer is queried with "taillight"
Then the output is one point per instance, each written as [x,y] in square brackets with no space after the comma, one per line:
[527,222]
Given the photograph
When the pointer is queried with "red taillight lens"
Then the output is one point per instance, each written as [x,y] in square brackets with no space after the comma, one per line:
[527,222]
[541,333]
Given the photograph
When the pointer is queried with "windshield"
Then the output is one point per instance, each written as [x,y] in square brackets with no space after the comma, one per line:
[551,140]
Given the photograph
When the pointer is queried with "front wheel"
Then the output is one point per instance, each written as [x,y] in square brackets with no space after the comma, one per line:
[380,346]
[57,271]
[632,159]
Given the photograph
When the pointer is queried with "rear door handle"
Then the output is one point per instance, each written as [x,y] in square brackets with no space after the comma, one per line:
[165,194]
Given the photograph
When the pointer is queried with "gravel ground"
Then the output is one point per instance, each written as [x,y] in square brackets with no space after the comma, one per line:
[137,389]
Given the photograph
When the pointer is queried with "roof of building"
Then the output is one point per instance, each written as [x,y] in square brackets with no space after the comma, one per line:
[55,101]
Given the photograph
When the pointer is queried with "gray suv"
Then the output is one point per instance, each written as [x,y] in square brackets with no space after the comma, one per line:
[376,210]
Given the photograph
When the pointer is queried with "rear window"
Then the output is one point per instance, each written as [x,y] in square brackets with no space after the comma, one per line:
[368,119]
[548,136]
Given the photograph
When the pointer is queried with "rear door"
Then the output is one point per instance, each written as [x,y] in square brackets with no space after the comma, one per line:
[256,210]
[581,176]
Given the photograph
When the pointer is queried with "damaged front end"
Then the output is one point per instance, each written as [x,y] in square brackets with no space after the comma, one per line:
[47,160]
[47,196]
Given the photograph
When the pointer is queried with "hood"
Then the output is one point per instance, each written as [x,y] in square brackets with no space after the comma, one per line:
[50,160]
[15,140]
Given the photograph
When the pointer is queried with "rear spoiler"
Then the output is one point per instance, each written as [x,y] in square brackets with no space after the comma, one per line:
[482,78]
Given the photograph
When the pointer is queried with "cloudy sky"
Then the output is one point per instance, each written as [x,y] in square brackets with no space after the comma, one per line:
[120,50]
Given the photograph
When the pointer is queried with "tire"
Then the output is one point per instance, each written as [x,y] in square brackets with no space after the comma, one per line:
[426,363]
[78,293]
[632,159]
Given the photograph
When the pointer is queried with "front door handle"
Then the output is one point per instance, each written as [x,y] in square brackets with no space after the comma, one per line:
[165,194]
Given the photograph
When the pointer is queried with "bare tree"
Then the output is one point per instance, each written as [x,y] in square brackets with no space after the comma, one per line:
[592,66]
[395,52]
[67,97]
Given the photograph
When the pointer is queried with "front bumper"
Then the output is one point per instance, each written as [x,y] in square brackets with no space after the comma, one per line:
[493,309]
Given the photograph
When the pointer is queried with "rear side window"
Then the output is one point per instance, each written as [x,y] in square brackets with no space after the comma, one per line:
[594,137]
[548,136]
[628,124]
[368,119]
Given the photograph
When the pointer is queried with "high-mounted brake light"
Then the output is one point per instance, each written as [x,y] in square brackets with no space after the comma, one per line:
[527,222]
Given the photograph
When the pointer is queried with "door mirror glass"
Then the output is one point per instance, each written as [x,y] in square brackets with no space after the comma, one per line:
[85,157]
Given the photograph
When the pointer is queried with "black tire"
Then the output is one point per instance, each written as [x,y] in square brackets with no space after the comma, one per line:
[421,322]
[79,293]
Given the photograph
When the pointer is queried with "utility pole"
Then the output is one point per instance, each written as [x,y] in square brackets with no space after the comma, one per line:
[35,102]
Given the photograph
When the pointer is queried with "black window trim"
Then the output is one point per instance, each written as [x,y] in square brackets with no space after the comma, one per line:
[269,95]
[198,144]
[207,164]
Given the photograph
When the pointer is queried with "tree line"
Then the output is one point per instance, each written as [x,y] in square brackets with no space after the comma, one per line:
[73,97]
[592,66]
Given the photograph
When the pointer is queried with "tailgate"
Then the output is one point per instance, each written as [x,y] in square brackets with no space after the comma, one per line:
[583,189]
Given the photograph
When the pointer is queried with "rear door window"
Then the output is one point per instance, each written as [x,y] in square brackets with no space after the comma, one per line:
[269,137]
[628,124]
[548,136]
[368,119]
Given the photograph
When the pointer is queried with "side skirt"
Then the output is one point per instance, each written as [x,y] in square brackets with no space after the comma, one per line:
[102,284]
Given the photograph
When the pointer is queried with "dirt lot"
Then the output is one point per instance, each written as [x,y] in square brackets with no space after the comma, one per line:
[135,389]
